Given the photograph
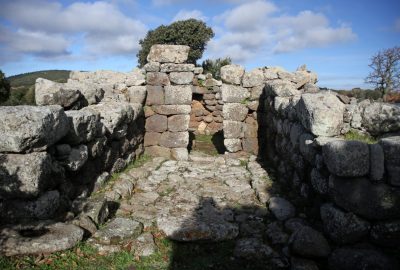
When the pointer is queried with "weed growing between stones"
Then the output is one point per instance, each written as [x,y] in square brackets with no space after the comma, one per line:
[357,136]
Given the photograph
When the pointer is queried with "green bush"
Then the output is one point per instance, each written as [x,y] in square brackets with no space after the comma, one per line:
[214,66]
[4,87]
[193,33]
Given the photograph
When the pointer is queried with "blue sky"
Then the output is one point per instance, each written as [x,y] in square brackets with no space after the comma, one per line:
[336,39]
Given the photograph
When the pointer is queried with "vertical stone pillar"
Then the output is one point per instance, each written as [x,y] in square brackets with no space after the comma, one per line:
[169,95]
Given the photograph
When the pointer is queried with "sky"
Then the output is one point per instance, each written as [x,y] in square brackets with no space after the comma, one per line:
[334,38]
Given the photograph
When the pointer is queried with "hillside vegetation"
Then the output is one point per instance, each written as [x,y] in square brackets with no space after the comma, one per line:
[23,85]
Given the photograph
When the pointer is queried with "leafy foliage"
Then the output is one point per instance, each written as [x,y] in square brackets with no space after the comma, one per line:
[193,33]
[4,87]
[214,66]
[361,94]
[354,135]
[385,73]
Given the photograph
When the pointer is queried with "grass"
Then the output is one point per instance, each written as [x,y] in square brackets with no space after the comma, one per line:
[204,138]
[358,136]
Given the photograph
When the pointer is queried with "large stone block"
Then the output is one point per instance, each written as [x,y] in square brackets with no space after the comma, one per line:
[178,94]
[85,125]
[137,94]
[31,128]
[321,113]
[379,118]
[52,93]
[172,109]
[178,123]
[24,176]
[181,77]
[151,138]
[253,78]
[168,53]
[391,149]
[233,129]
[157,78]
[155,95]
[233,145]
[251,128]
[177,67]
[250,145]
[281,88]
[157,123]
[174,139]
[232,74]
[234,93]
[158,151]
[366,199]
[377,162]
[235,111]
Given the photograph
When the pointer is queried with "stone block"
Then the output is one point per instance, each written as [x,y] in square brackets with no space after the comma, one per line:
[137,94]
[253,78]
[152,67]
[235,111]
[234,93]
[281,88]
[85,125]
[178,123]
[233,129]
[172,109]
[377,162]
[391,150]
[157,123]
[151,138]
[169,67]
[250,145]
[174,139]
[233,145]
[232,74]
[168,53]
[180,154]
[157,78]
[158,151]
[155,95]
[178,95]
[181,77]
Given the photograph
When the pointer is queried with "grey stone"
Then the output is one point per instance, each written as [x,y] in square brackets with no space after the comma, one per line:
[308,242]
[136,77]
[177,67]
[252,248]
[157,123]
[45,238]
[386,234]
[118,230]
[181,154]
[270,74]
[152,67]
[144,245]
[77,158]
[303,264]
[174,139]
[346,158]
[178,123]
[233,129]
[310,88]
[178,94]
[232,74]
[321,113]
[168,53]
[233,145]
[96,209]
[360,196]
[376,162]
[281,88]
[155,95]
[253,78]
[235,111]
[391,150]
[378,118]
[234,93]
[157,79]
[360,259]
[25,176]
[31,128]
[85,223]
[342,227]
[137,94]
[151,138]
[51,93]
[256,92]
[275,234]
[158,151]
[319,182]
[92,93]
[84,124]
[281,208]
[181,77]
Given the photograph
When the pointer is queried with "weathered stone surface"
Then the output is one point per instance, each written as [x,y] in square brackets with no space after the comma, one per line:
[235,111]
[275,233]
[152,67]
[234,93]
[342,227]
[306,147]
[157,123]
[321,113]
[96,209]
[232,74]
[233,129]
[252,248]
[172,109]
[180,154]
[144,245]
[155,95]
[77,158]
[177,67]
[309,243]
[174,139]
[386,234]
[31,128]
[233,145]
[136,77]
[178,95]
[24,176]
[158,151]
[45,238]
[281,88]
[151,138]
[51,93]
[178,123]
[270,74]
[360,196]
[85,223]
[360,259]
[84,125]
[168,53]
[381,118]
[376,162]
[157,78]
[253,78]
[346,158]
[319,182]
[181,77]
[250,145]
[391,149]
[281,208]
[92,93]
[118,230]
[137,94]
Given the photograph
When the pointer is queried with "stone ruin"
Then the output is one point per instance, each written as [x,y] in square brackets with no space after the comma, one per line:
[55,155]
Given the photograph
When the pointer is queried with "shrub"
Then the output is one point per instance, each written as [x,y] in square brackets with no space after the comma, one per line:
[214,66]
[4,87]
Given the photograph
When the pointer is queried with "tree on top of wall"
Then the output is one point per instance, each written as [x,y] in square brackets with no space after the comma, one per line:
[192,32]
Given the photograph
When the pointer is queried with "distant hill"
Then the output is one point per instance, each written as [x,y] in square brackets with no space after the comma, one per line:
[23,85]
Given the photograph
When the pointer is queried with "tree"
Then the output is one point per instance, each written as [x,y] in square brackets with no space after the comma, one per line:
[193,33]
[4,87]
[385,73]
[214,66]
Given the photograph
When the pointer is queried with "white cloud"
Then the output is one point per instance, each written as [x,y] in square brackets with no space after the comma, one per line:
[258,27]
[101,27]
[189,14]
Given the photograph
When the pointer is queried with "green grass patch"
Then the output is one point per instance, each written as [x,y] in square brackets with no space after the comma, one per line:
[353,135]
[204,138]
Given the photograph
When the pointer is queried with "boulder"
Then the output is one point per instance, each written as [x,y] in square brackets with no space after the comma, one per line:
[232,74]
[25,176]
[85,125]
[253,78]
[52,93]
[306,147]
[252,248]
[39,238]
[234,93]
[137,94]
[31,128]
[281,208]
[270,74]
[178,95]
[235,111]
[321,113]
[379,118]
[360,259]
[118,230]
[135,77]
[346,158]
[168,53]
[233,145]
[95,208]
[92,92]
[144,245]
[342,227]
[308,242]
[366,199]
[281,88]
[181,77]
